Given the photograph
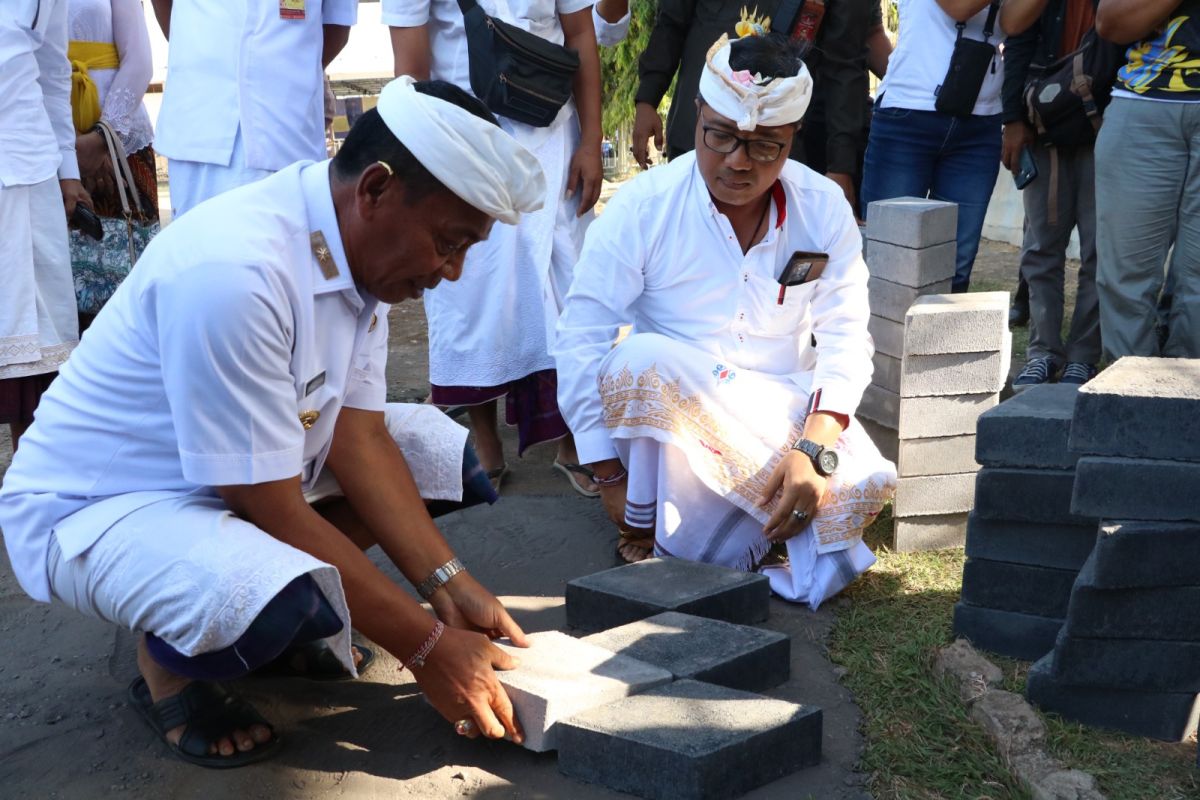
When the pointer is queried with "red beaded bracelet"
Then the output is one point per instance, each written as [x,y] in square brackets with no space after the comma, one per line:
[418,658]
[611,480]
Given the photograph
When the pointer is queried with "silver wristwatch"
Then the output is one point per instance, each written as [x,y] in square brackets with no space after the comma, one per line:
[439,577]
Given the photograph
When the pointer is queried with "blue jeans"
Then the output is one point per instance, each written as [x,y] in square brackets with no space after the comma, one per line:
[929,154]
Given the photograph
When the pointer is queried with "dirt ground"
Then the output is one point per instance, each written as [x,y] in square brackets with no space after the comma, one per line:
[66,732]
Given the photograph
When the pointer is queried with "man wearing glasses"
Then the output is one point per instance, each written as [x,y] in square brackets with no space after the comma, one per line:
[724,424]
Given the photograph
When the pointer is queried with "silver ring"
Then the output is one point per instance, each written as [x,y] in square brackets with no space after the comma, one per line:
[800,516]
[463,727]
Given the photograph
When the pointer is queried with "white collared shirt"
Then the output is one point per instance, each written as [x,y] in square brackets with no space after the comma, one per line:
[663,258]
[234,63]
[198,370]
[37,136]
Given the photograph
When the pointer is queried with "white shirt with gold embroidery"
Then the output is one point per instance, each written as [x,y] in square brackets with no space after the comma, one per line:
[663,258]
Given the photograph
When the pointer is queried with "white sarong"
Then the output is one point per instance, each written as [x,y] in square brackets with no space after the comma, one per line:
[700,438]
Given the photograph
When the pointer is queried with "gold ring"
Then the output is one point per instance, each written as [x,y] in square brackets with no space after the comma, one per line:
[463,727]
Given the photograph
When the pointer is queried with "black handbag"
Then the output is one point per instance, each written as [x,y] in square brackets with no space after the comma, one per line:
[1065,100]
[969,65]
[515,73]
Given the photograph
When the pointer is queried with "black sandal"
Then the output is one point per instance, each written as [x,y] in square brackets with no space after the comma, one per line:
[314,661]
[209,713]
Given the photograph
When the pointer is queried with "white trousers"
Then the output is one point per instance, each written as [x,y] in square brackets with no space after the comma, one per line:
[193,182]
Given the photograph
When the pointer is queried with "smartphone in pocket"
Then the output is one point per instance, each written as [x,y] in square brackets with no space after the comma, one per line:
[1028,168]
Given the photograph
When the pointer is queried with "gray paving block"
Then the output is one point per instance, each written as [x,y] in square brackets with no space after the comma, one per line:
[941,455]
[1040,591]
[1137,488]
[1135,554]
[1006,633]
[1027,495]
[690,741]
[560,676]
[737,656]
[880,405]
[1142,664]
[887,335]
[636,591]
[1037,544]
[1171,717]
[953,374]
[887,372]
[1170,613]
[1141,406]
[1030,429]
[925,417]
[934,532]
[912,222]
[926,495]
[892,300]
[971,322]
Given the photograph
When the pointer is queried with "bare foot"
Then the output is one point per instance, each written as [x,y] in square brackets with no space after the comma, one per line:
[162,684]
[636,544]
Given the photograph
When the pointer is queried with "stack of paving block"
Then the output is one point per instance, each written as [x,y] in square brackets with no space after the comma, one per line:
[1024,546]
[661,700]
[1128,656]
[910,252]
[955,361]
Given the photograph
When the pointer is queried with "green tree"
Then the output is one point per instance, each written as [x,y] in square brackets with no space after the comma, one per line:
[618,68]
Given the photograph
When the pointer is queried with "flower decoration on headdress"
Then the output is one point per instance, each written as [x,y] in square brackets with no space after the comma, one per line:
[751,24]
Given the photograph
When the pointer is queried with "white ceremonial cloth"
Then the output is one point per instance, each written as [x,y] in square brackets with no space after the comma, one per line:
[495,324]
[194,375]
[238,63]
[39,323]
[119,22]
[37,137]
[663,258]
[741,97]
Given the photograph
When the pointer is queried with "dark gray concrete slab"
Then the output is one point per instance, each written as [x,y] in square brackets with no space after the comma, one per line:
[1157,715]
[1131,554]
[1037,544]
[1041,591]
[1142,664]
[1030,429]
[1028,495]
[1007,633]
[702,649]
[690,741]
[1169,612]
[635,591]
[1137,488]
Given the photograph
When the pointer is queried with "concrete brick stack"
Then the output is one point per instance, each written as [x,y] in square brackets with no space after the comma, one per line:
[910,252]
[1128,656]
[662,703]
[956,353]
[1024,546]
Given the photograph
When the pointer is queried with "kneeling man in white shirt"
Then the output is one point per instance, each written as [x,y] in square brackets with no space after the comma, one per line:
[211,463]
[724,423]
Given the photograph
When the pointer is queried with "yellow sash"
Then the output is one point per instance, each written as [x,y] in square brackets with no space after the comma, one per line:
[85,100]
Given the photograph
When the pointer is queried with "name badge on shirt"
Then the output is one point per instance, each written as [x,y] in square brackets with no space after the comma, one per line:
[314,384]
[291,9]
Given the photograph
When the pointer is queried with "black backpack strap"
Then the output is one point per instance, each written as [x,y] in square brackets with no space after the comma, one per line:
[466,6]
[989,27]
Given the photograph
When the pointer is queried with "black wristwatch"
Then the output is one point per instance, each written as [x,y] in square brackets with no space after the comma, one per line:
[824,459]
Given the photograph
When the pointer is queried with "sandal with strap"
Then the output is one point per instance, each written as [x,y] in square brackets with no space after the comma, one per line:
[209,713]
[315,662]
[642,545]
[571,470]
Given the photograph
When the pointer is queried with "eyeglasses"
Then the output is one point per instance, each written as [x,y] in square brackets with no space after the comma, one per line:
[722,141]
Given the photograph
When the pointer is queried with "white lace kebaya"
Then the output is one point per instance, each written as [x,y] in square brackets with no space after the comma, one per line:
[121,90]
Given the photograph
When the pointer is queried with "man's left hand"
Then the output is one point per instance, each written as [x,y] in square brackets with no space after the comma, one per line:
[73,193]
[586,175]
[800,488]
[463,603]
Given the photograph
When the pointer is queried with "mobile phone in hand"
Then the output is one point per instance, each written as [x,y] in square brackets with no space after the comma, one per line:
[1028,169]
[86,222]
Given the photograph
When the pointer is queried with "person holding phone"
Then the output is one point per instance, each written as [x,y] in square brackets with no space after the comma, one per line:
[723,425]
[39,180]
[1059,194]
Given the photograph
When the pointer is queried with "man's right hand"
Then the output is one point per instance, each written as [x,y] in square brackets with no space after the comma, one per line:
[1017,136]
[646,123]
[459,680]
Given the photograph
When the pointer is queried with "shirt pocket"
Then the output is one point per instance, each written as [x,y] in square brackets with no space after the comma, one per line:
[772,317]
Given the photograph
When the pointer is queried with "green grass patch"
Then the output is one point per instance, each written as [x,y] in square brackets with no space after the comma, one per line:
[921,745]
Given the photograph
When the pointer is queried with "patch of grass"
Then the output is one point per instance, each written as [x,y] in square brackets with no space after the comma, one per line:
[921,745]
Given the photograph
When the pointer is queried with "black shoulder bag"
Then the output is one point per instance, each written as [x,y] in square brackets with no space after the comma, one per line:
[515,73]
[1066,99]
[968,67]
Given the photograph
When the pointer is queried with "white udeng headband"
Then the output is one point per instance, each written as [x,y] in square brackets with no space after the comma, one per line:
[737,96]
[473,158]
